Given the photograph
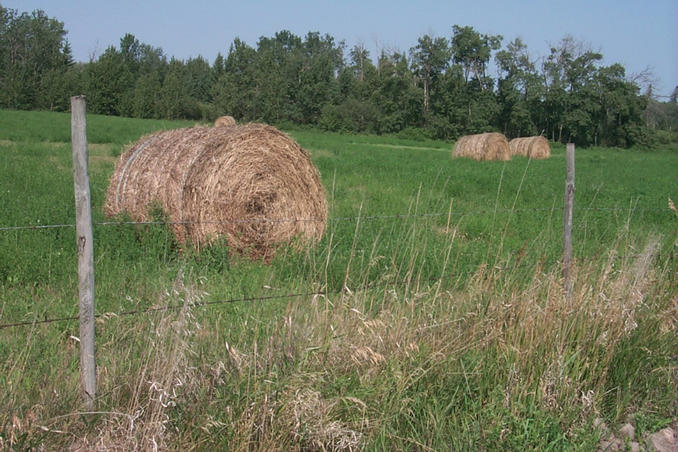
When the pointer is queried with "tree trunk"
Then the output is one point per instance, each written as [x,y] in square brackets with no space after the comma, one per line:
[426,95]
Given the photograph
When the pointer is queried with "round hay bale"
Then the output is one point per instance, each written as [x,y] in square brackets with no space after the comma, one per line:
[484,146]
[224,121]
[250,184]
[532,147]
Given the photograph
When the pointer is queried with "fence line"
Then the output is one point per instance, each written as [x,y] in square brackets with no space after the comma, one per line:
[163,308]
[45,226]
[337,219]
[106,315]
[368,287]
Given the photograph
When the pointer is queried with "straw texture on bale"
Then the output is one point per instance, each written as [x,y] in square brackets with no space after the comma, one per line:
[532,147]
[250,184]
[224,121]
[484,146]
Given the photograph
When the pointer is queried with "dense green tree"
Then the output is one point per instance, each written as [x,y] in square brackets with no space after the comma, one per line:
[121,81]
[442,89]
[352,115]
[430,57]
[34,56]
[198,79]
[620,121]
[582,113]
[57,87]
[108,83]
[218,67]
[140,58]
[556,94]
[130,51]
[174,99]
[519,90]
[234,90]
[360,59]
[398,98]
[660,115]
[363,72]
[316,84]
[569,97]
[277,62]
[151,60]
[145,100]
[450,106]
[152,67]
[54,90]
[473,50]
[588,103]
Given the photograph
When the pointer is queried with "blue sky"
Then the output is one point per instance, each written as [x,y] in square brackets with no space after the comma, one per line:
[638,34]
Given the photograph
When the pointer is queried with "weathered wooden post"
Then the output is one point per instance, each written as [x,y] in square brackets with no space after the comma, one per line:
[83,231]
[567,219]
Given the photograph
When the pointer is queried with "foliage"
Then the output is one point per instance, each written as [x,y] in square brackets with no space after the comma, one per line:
[34,58]
[441,85]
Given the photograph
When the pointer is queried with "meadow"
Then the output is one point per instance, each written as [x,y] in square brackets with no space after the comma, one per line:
[434,317]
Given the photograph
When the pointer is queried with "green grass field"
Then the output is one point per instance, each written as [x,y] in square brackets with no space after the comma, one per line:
[443,326]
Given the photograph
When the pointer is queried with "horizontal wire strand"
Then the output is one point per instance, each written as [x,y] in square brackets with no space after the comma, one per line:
[161,308]
[335,219]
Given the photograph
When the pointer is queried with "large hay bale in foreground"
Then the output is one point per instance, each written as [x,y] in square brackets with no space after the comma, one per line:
[484,146]
[532,147]
[224,121]
[250,184]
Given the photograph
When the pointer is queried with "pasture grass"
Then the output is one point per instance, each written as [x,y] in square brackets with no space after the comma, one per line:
[443,327]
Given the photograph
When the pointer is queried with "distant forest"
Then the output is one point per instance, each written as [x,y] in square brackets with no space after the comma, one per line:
[440,88]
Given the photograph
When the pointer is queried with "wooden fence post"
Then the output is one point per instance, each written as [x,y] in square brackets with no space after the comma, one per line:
[83,230]
[567,219]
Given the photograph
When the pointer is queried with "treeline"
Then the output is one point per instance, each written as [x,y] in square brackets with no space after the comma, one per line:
[441,88]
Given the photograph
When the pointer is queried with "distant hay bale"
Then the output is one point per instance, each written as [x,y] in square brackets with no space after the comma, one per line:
[484,146]
[224,121]
[250,184]
[533,147]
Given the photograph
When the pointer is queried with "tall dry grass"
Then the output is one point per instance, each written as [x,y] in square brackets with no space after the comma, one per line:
[378,367]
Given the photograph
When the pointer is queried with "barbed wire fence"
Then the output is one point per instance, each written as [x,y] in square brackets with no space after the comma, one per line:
[406,216]
[391,217]
[134,312]
[88,311]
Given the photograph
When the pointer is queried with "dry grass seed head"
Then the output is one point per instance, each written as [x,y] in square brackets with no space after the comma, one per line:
[165,376]
[313,426]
